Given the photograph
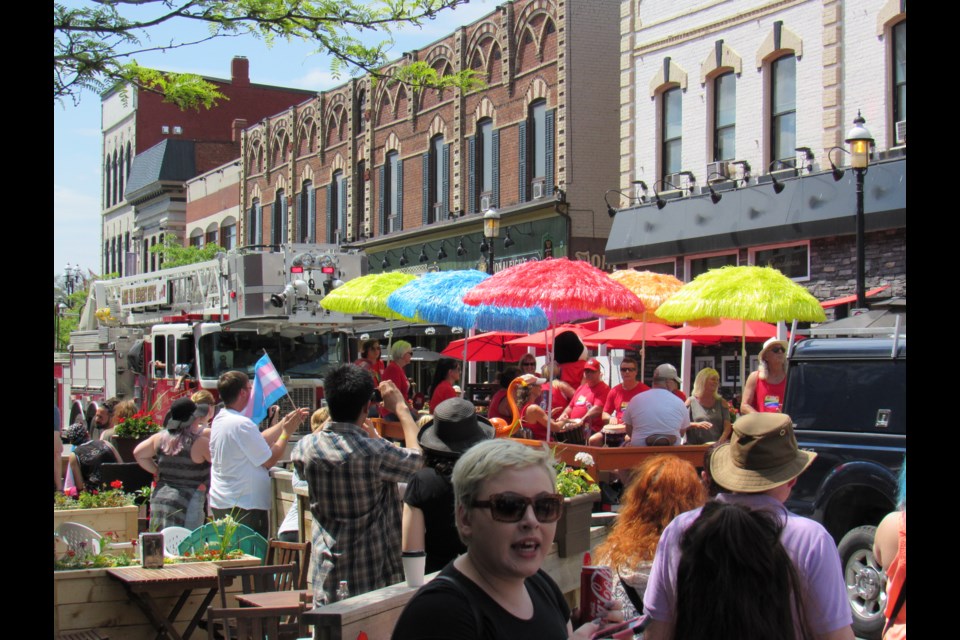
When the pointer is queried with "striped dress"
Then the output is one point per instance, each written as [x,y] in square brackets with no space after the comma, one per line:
[181,491]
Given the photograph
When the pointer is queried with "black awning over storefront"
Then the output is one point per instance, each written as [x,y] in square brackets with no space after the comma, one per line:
[809,206]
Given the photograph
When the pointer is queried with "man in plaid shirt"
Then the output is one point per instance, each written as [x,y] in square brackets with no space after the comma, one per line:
[352,479]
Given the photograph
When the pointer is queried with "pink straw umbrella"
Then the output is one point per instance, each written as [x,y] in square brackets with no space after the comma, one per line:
[565,289]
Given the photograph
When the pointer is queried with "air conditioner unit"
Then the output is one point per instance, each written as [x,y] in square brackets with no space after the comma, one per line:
[485,201]
[537,190]
[901,132]
[715,168]
[677,180]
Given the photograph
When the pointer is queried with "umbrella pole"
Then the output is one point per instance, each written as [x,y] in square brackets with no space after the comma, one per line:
[549,338]
[743,351]
[643,351]
[463,367]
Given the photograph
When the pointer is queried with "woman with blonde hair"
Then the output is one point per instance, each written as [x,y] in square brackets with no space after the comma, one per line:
[662,487]
[709,412]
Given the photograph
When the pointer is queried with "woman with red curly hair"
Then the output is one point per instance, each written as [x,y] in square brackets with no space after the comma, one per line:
[662,487]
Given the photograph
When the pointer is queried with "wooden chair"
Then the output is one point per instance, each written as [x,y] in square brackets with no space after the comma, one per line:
[257,579]
[252,623]
[279,552]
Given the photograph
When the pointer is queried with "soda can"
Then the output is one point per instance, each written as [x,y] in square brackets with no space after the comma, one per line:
[596,591]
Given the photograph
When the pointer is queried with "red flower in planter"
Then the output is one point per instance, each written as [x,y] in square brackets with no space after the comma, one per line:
[117,484]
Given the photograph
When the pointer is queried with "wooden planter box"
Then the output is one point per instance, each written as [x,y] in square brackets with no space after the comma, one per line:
[90,599]
[120,520]
[573,529]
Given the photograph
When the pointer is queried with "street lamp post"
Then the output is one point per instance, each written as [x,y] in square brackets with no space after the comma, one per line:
[491,231]
[860,142]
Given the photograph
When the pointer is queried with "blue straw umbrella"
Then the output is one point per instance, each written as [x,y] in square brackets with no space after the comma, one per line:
[438,297]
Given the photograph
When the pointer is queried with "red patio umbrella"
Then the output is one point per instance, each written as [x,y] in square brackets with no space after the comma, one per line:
[539,340]
[632,333]
[486,347]
[727,331]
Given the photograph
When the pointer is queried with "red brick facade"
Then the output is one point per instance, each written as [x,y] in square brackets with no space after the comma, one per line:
[521,51]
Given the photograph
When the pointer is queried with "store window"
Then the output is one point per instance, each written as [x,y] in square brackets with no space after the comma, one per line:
[783,110]
[791,260]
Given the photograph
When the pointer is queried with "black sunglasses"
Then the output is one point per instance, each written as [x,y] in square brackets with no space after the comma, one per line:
[529,364]
[777,349]
[627,369]
[511,507]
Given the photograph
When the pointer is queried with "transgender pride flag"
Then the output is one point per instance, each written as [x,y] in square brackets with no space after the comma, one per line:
[267,389]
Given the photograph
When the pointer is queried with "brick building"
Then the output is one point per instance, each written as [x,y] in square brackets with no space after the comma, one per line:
[213,206]
[737,94]
[151,147]
[406,174]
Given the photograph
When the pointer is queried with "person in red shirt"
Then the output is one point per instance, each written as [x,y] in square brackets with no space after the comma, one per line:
[620,396]
[765,388]
[400,355]
[445,376]
[369,359]
[588,400]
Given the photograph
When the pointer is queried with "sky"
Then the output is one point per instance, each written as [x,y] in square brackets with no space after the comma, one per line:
[76,128]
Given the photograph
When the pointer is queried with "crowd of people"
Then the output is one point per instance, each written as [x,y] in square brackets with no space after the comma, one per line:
[684,549]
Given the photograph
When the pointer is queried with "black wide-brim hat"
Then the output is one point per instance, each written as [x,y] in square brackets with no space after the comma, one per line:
[455,428]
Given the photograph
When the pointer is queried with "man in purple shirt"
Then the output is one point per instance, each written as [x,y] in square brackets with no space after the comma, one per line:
[758,468]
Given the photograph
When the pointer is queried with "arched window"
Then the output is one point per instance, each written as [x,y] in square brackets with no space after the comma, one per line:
[279,220]
[307,213]
[724,116]
[671,131]
[783,109]
[255,223]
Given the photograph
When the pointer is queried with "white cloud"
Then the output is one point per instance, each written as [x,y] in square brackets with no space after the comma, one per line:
[318,79]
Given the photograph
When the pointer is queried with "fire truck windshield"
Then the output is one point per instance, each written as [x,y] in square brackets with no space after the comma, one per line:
[306,356]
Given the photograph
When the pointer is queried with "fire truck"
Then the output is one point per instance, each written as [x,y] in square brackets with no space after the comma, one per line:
[158,336]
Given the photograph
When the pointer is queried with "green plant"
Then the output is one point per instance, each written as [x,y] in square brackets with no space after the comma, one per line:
[574,482]
[94,499]
[139,425]
[84,557]
[224,547]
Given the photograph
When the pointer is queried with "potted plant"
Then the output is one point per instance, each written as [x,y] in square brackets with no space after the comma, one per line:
[132,431]
[103,511]
[579,491]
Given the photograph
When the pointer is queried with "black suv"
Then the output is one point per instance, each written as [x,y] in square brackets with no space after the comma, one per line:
[848,400]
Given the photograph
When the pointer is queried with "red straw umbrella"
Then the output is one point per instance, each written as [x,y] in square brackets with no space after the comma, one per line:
[565,289]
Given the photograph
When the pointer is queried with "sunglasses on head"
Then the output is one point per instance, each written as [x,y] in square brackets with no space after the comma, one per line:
[511,507]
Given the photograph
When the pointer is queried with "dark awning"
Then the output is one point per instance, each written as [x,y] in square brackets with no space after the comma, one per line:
[809,206]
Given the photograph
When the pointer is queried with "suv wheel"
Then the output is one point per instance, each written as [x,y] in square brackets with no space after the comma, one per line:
[866,589]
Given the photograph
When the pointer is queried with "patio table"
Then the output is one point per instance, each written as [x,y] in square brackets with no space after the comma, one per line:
[140,584]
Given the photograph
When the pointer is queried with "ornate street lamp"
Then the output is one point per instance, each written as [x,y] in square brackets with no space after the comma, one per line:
[860,142]
[491,231]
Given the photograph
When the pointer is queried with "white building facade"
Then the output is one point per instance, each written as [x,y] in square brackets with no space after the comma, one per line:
[724,94]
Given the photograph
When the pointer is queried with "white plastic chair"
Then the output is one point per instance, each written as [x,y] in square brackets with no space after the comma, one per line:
[172,537]
[77,536]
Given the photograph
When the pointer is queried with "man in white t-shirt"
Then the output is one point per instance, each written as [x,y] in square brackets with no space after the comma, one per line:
[656,416]
[241,456]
